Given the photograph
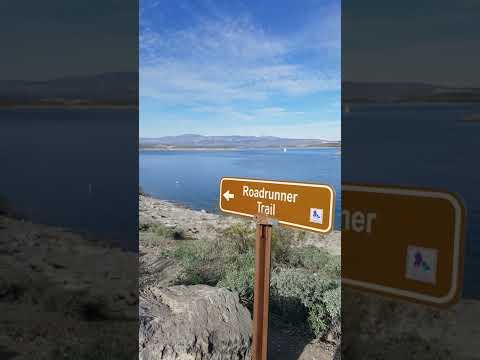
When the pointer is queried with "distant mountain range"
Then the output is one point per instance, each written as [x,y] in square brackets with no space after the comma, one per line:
[398,92]
[193,141]
[118,88]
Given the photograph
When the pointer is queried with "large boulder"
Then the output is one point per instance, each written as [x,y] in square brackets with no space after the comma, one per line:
[193,323]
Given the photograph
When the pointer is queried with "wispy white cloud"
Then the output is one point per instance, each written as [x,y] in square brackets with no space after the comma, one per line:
[275,111]
[222,61]
[232,114]
[219,39]
[224,113]
[323,31]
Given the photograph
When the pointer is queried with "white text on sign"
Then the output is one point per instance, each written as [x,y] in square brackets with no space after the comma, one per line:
[267,194]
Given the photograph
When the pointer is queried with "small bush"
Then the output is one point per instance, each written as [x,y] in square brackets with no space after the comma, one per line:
[282,240]
[240,236]
[144,227]
[227,262]
[163,231]
[319,297]
[324,316]
[316,260]
[301,236]
[239,277]
[201,262]
[241,239]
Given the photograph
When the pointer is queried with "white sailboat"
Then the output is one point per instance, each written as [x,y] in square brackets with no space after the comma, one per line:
[284,150]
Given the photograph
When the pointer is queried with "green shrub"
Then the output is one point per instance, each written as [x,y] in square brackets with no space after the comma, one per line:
[298,294]
[324,316]
[301,236]
[144,227]
[201,263]
[240,238]
[282,240]
[227,261]
[163,231]
[316,260]
[239,277]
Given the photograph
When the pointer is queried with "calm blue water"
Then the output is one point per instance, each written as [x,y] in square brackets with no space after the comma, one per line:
[192,177]
[73,168]
[420,146]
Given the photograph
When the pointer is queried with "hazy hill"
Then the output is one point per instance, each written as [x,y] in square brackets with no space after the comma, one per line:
[200,141]
[390,92]
[117,87]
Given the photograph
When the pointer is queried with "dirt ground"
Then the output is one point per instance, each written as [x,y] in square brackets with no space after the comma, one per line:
[286,342]
[61,294]
[378,327]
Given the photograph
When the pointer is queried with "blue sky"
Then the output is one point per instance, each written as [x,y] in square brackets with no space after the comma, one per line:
[240,68]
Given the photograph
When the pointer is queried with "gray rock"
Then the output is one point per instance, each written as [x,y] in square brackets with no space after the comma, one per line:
[193,323]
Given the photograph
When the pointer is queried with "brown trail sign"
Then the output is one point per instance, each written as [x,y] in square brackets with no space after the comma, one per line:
[301,205]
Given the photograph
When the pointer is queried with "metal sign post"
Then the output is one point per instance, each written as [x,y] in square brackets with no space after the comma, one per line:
[262,288]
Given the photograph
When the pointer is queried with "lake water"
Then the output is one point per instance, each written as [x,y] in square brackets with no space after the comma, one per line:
[192,178]
[73,168]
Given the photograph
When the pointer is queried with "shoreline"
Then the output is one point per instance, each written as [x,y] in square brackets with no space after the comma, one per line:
[66,107]
[202,224]
[241,148]
[217,212]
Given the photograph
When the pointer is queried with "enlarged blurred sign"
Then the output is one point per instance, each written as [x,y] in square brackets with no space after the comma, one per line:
[301,205]
[407,243]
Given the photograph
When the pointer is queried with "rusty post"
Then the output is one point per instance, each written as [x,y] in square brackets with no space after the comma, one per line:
[262,288]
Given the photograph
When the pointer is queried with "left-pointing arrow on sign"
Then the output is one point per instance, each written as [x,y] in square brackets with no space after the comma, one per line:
[228,196]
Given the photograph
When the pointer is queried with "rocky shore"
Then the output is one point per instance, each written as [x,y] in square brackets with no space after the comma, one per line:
[206,226]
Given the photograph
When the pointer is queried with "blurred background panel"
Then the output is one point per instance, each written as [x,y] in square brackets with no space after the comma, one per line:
[69,179]
[410,117]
